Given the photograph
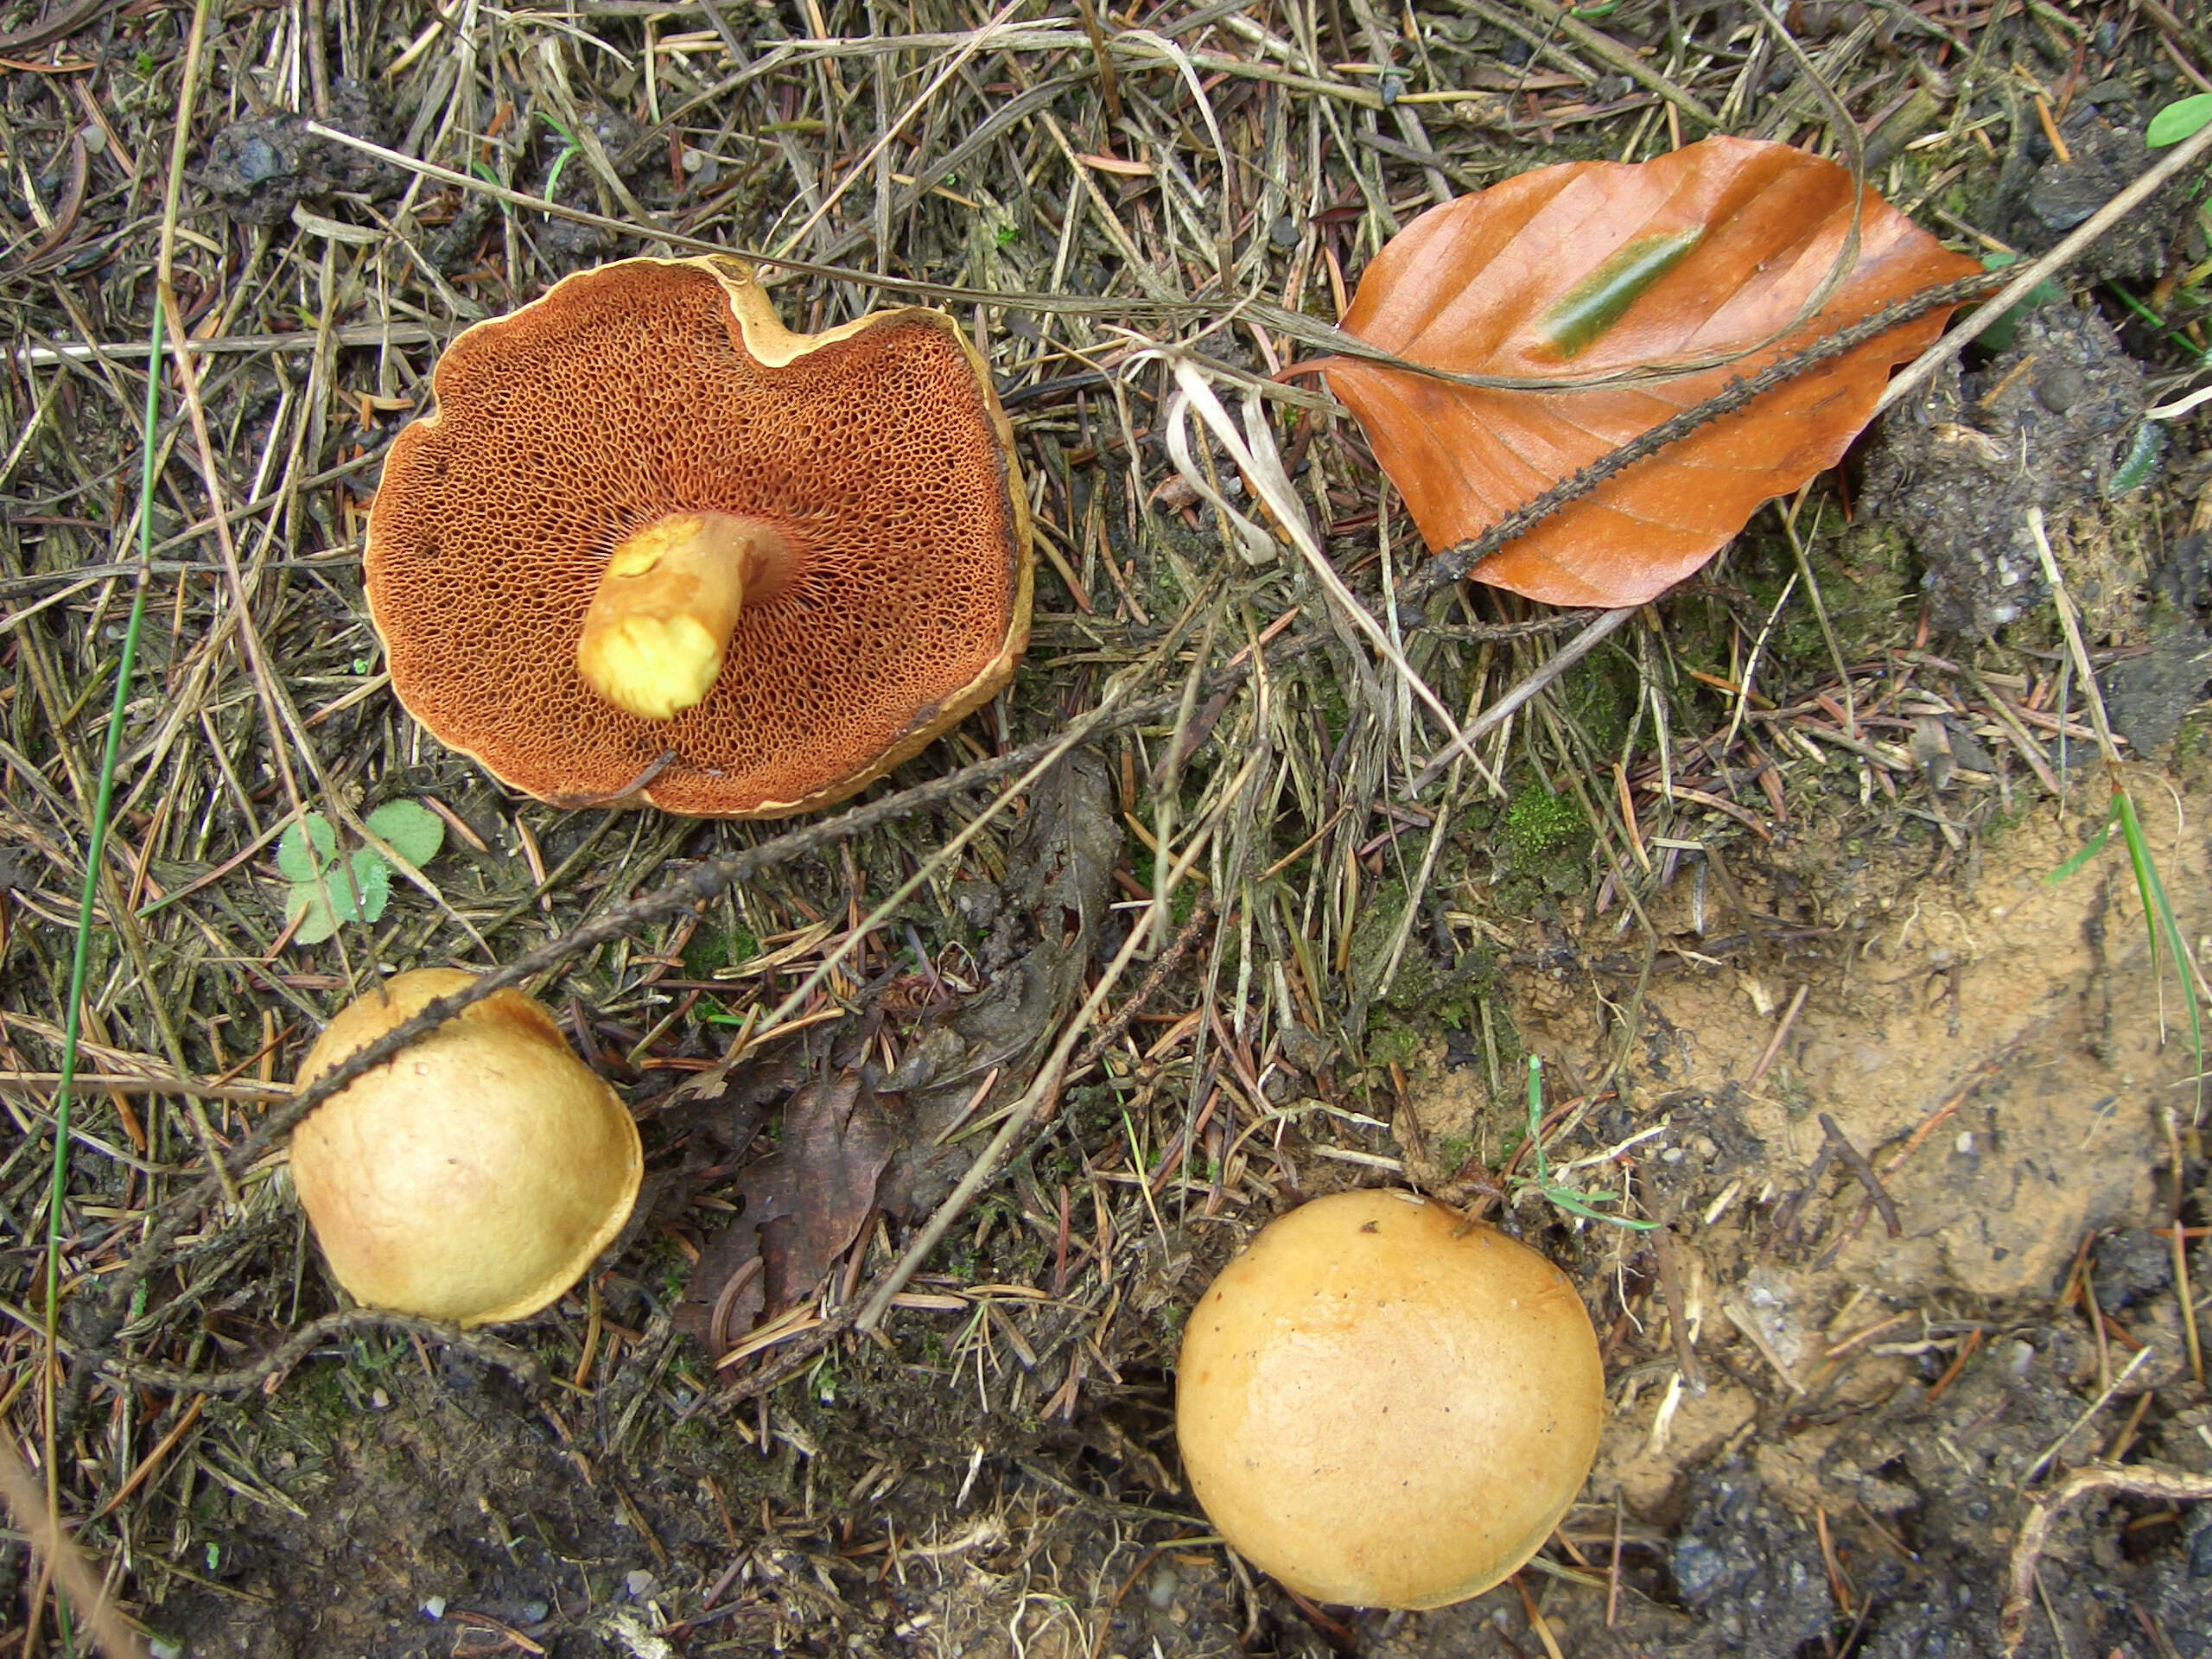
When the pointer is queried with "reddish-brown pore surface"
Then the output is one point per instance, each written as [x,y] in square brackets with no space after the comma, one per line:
[625,394]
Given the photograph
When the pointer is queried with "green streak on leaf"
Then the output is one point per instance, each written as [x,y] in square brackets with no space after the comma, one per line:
[1599,300]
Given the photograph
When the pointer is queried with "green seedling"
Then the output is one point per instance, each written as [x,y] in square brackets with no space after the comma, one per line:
[327,892]
[2000,335]
[2178,120]
[569,150]
[1585,1205]
[2159,919]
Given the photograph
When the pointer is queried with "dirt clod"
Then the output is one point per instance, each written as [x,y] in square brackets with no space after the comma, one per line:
[2149,695]
[2045,423]
[2105,153]
[1749,1568]
[260,170]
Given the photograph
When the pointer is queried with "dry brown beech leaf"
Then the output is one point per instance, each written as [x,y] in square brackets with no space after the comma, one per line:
[1603,267]
[804,1205]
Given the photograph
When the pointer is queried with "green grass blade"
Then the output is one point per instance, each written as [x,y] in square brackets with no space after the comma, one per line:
[1579,1205]
[96,847]
[2090,848]
[2160,921]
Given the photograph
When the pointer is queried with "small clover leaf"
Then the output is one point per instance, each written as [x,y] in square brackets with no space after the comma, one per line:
[306,846]
[320,904]
[413,830]
[371,892]
[308,905]
[325,894]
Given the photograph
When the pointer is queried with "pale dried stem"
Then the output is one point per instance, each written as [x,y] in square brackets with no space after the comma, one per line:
[55,1546]
[2136,1481]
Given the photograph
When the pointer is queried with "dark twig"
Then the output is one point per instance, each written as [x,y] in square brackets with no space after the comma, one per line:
[696,886]
[516,1363]
[1110,1030]
[1855,1162]
[1670,1287]
[1785,1221]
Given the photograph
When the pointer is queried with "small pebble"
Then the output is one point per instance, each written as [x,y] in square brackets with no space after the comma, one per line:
[639,1583]
[434,1606]
[2060,388]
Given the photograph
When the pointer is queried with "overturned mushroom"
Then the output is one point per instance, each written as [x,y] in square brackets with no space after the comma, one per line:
[652,543]
[1385,1406]
[474,1176]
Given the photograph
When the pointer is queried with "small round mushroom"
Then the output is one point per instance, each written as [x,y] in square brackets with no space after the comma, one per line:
[651,544]
[474,1176]
[1386,1406]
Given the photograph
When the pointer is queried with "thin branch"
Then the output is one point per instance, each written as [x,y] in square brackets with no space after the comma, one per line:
[2136,1481]
[1455,561]
[516,1363]
[1923,368]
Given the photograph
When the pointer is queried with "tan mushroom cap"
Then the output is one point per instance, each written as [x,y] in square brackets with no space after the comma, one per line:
[877,451]
[1383,1410]
[474,1176]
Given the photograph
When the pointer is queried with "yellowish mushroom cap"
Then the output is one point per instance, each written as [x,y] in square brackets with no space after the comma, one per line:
[474,1176]
[1385,1406]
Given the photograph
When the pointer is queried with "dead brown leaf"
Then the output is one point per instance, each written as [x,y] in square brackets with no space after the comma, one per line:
[1603,267]
[804,1205]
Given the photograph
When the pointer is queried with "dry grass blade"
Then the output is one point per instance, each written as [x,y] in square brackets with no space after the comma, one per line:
[2137,1480]
[103,1623]
[1254,453]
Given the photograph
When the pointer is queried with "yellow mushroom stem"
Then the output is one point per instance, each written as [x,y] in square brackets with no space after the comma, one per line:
[666,608]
